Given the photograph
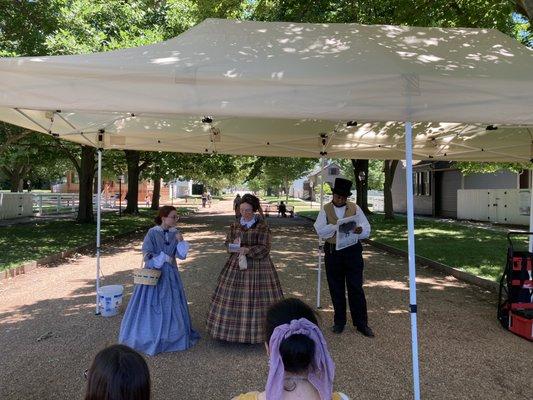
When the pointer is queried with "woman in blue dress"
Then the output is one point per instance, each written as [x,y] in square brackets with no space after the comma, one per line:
[157,318]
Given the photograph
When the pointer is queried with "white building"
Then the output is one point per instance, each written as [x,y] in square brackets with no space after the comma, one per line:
[297,188]
[303,188]
[180,188]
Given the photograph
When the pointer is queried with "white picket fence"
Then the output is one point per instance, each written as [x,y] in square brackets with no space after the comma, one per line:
[55,203]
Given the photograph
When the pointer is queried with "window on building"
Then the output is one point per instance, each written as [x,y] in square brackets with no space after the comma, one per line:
[523,179]
[426,183]
[334,171]
[422,183]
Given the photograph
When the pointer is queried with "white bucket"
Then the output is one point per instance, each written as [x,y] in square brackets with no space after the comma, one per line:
[110,299]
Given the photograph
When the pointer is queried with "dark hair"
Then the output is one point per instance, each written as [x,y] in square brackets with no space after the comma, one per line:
[163,212]
[250,199]
[297,351]
[118,373]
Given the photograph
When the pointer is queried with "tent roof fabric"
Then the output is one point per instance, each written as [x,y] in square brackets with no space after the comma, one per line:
[274,88]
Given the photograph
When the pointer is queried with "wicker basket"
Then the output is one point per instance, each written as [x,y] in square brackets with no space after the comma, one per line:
[145,276]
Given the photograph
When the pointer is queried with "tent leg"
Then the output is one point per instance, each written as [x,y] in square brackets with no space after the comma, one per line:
[531,216]
[411,252]
[320,241]
[98,222]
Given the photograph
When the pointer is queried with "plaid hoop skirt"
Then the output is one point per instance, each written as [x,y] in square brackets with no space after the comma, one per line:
[241,299]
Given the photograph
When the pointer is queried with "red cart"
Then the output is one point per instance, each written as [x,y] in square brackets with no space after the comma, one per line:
[515,304]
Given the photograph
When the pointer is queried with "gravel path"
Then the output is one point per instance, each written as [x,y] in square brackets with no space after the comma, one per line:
[49,333]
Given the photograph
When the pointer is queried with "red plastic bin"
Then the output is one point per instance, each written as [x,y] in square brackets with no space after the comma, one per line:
[521,325]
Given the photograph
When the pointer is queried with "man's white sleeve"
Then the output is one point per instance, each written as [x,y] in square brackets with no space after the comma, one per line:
[363,223]
[322,228]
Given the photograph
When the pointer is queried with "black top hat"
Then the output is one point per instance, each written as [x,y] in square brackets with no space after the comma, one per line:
[342,187]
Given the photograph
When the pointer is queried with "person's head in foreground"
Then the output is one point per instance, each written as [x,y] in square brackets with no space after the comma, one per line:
[118,373]
[300,364]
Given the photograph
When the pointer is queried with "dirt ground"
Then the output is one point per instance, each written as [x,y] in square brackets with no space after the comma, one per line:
[49,333]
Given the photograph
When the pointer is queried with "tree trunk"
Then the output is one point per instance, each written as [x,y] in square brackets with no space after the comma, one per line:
[361,185]
[15,180]
[86,175]
[16,177]
[157,188]
[525,7]
[389,167]
[132,197]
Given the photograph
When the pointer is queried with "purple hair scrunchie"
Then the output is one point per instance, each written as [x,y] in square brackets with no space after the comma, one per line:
[322,369]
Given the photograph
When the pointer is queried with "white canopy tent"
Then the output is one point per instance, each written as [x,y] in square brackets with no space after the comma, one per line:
[273,88]
[286,89]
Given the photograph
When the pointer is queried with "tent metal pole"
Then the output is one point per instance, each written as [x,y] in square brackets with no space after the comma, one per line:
[320,241]
[98,223]
[531,213]
[411,253]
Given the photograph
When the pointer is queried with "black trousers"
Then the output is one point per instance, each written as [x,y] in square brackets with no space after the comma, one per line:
[344,269]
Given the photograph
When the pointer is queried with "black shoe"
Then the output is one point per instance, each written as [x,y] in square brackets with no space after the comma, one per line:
[365,330]
[337,328]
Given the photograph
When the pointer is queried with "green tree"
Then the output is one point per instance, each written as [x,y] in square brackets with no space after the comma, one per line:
[375,175]
[468,168]
[326,189]
[25,25]
[85,26]
[389,169]
[137,162]
[10,135]
[277,173]
[83,158]
[25,158]
[213,170]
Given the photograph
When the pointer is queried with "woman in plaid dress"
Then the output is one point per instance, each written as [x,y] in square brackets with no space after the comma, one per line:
[242,296]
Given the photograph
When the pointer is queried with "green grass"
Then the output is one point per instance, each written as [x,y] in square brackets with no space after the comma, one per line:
[275,200]
[481,252]
[300,206]
[52,209]
[23,243]
[306,207]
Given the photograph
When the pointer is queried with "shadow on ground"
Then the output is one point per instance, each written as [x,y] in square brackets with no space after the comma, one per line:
[50,333]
